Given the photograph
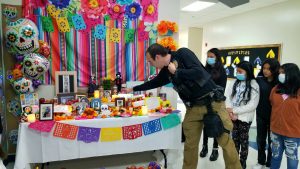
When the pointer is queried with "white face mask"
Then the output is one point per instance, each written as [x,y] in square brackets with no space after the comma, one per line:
[281,78]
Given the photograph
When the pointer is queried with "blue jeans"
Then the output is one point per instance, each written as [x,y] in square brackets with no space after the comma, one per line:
[289,145]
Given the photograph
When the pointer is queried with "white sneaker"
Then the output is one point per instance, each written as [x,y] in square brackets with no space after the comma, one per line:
[258,166]
[267,168]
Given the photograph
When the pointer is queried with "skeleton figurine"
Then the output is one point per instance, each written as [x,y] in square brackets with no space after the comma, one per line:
[105,111]
[118,81]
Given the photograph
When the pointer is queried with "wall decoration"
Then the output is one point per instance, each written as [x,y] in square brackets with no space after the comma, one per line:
[115,35]
[63,24]
[133,11]
[94,8]
[111,134]
[14,107]
[255,54]
[129,35]
[150,10]
[168,42]
[35,65]
[142,34]
[88,134]
[13,136]
[66,131]
[151,127]
[60,3]
[132,132]
[152,29]
[46,111]
[10,12]
[65,82]
[47,24]
[78,22]
[53,11]
[23,85]
[100,32]
[116,12]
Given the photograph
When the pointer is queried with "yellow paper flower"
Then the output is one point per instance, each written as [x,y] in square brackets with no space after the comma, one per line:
[168,42]
[150,9]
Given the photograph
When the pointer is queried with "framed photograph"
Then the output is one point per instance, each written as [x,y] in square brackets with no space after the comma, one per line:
[65,97]
[80,96]
[96,103]
[65,82]
[46,111]
[120,102]
[84,100]
[107,93]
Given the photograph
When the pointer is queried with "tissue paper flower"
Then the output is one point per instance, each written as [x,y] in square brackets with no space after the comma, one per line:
[60,3]
[168,42]
[133,11]
[152,29]
[167,28]
[116,11]
[142,34]
[124,2]
[94,8]
[150,10]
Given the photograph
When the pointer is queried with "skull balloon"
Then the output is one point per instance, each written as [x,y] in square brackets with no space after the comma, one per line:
[23,85]
[22,36]
[35,65]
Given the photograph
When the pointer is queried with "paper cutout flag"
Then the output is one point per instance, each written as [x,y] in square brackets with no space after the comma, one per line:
[111,134]
[132,132]
[47,24]
[78,22]
[151,127]
[70,20]
[129,35]
[42,126]
[100,32]
[63,24]
[115,35]
[66,131]
[170,121]
[51,9]
[88,134]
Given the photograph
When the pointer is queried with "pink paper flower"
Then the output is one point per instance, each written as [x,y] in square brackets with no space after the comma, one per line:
[150,10]
[94,8]
[116,11]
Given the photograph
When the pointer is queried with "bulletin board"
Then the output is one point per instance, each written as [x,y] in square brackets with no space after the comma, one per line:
[255,54]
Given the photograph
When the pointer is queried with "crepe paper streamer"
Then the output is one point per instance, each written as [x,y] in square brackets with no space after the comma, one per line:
[111,134]
[170,121]
[100,32]
[142,35]
[70,20]
[115,35]
[66,131]
[151,127]
[78,22]
[63,24]
[42,126]
[129,35]
[88,134]
[47,24]
[132,132]
[51,9]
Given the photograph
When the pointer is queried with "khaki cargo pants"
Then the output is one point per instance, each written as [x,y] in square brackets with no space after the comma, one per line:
[192,127]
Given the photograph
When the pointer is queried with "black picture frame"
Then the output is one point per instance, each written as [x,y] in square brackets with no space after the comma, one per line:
[63,98]
[46,111]
[120,102]
[65,82]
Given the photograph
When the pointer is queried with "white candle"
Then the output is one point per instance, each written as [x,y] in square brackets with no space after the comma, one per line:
[144,110]
[96,94]
[31,118]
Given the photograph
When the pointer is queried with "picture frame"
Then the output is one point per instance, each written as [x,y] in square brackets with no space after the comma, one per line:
[79,96]
[85,100]
[120,102]
[96,104]
[107,93]
[63,98]
[46,111]
[65,82]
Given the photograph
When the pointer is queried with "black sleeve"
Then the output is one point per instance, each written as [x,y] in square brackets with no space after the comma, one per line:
[161,79]
[193,69]
[223,79]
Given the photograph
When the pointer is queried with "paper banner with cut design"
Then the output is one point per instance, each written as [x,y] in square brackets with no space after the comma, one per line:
[88,134]
[66,131]
[132,132]
[70,20]
[63,24]
[42,126]
[170,121]
[51,9]
[111,134]
[151,127]
[129,35]
[100,32]
[78,22]
[115,35]
[47,24]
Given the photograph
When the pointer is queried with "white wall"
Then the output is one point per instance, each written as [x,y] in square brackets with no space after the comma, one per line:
[276,24]
[195,37]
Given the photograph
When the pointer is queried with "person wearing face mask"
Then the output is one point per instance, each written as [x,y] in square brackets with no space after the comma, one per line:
[216,69]
[267,78]
[242,100]
[285,117]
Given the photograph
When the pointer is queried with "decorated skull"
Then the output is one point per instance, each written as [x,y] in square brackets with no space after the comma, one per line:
[22,36]
[105,110]
[10,12]
[23,85]
[35,65]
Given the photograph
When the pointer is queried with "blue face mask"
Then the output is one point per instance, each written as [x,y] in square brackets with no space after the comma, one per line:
[281,78]
[241,76]
[211,61]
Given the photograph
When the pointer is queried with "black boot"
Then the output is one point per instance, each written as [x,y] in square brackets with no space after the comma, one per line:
[204,151]
[214,155]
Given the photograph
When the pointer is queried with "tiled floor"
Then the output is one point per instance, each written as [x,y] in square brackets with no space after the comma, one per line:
[175,158]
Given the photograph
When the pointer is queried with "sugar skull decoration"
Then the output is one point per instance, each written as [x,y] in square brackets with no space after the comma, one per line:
[105,110]
[10,12]
[35,65]
[22,36]
[14,107]
[23,85]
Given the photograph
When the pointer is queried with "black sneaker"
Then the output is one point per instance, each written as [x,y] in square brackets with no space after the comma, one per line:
[214,155]
[204,151]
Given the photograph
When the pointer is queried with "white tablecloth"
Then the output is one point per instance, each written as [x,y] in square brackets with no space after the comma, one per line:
[37,147]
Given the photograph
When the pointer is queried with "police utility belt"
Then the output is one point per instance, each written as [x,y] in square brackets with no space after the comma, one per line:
[206,99]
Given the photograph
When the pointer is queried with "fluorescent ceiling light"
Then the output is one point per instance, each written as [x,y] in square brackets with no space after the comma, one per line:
[197,6]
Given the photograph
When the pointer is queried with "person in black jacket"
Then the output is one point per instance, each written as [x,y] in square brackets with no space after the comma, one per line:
[266,79]
[215,67]
[194,86]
